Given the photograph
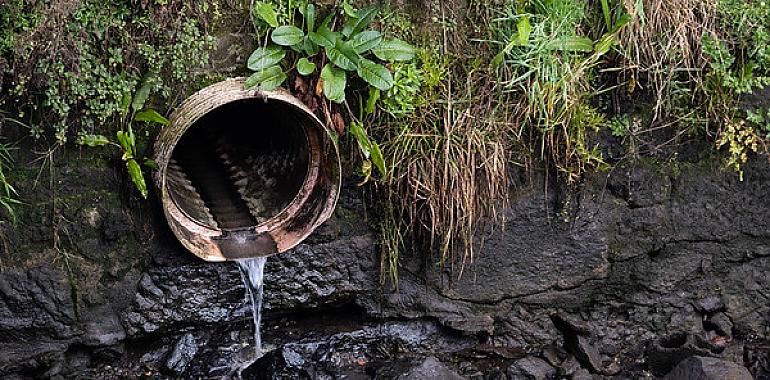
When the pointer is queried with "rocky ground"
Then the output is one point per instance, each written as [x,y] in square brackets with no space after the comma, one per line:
[648,271]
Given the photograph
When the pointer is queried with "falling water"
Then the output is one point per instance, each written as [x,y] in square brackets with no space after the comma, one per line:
[252,271]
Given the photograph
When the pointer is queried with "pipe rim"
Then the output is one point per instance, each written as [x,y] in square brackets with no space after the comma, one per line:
[199,238]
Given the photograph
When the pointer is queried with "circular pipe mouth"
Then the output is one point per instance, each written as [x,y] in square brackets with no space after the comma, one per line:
[245,173]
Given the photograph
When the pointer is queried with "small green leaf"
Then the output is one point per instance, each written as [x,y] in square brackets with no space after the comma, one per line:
[343,55]
[151,116]
[92,140]
[524,29]
[572,44]
[142,94]
[310,17]
[394,50]
[374,74]
[604,44]
[363,18]
[498,59]
[135,172]
[125,102]
[334,81]
[310,47]
[365,41]
[305,67]
[349,10]
[378,160]
[324,37]
[287,35]
[371,101]
[150,163]
[267,13]
[266,80]
[358,132]
[264,57]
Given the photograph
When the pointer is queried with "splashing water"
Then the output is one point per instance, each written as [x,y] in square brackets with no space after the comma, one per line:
[252,271]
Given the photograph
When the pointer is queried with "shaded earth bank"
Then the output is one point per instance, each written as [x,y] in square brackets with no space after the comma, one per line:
[640,270]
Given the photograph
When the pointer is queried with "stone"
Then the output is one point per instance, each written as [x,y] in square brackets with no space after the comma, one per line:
[582,374]
[183,353]
[665,353]
[704,368]
[430,368]
[710,304]
[531,368]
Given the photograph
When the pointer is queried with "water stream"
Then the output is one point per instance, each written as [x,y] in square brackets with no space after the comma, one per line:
[252,271]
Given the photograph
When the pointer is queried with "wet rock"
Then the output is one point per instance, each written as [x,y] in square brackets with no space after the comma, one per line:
[704,368]
[531,368]
[721,324]
[578,342]
[711,304]
[430,368]
[173,298]
[582,374]
[665,353]
[388,350]
[569,325]
[183,353]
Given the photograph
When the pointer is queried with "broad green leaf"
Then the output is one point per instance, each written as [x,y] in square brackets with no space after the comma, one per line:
[394,50]
[305,67]
[264,57]
[310,17]
[142,94]
[334,81]
[287,35]
[524,29]
[357,130]
[364,41]
[343,55]
[267,13]
[378,160]
[151,116]
[572,44]
[371,101]
[92,140]
[324,37]
[266,80]
[364,17]
[135,172]
[375,74]
[310,47]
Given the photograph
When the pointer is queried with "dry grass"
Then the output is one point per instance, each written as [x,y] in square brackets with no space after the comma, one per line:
[663,44]
[447,160]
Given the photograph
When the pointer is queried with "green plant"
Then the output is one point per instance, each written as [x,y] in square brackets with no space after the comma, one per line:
[70,71]
[546,65]
[8,195]
[339,52]
[132,111]
[760,119]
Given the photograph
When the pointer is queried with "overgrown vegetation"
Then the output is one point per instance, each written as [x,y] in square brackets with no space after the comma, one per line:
[70,66]
[442,103]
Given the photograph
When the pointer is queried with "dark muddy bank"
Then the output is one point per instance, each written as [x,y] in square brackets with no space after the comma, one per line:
[626,277]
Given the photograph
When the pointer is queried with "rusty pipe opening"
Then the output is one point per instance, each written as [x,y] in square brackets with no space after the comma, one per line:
[245,173]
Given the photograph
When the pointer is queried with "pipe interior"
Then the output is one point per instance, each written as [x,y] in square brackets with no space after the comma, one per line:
[240,164]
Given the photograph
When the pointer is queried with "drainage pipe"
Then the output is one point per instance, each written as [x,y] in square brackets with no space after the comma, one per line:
[245,173]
